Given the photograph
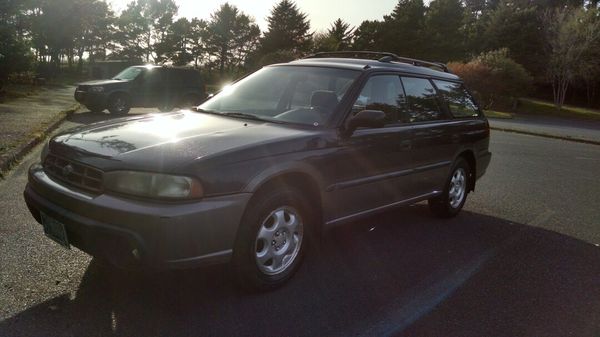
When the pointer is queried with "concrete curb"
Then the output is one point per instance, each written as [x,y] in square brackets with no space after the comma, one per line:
[21,150]
[546,135]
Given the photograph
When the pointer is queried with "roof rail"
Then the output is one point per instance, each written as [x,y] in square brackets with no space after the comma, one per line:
[381,57]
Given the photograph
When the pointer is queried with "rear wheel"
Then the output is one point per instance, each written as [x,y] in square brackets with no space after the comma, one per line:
[455,191]
[165,107]
[118,104]
[272,239]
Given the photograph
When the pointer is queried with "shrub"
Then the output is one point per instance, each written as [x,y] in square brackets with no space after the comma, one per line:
[494,77]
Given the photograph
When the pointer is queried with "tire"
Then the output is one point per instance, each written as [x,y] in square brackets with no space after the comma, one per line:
[95,109]
[119,104]
[165,107]
[272,239]
[455,191]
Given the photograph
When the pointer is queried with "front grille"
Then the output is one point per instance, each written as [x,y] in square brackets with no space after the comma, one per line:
[73,173]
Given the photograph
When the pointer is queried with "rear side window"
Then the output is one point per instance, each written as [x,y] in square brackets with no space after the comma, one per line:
[421,100]
[457,98]
[382,92]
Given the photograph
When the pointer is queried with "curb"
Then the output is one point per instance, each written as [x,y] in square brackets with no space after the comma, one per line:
[546,135]
[23,149]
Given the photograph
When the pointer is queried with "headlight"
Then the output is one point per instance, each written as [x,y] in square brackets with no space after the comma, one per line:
[96,89]
[153,185]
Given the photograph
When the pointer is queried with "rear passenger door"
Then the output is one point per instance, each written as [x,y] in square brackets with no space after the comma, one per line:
[434,144]
[371,169]
[153,88]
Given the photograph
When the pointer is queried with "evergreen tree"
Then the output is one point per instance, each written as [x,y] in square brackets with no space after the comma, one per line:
[402,31]
[340,34]
[368,36]
[288,29]
[518,28]
[233,35]
[443,30]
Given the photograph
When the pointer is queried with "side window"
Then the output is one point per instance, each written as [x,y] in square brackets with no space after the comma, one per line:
[457,98]
[421,100]
[154,78]
[382,92]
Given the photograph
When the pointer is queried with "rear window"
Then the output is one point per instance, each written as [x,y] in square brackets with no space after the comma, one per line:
[458,100]
[421,100]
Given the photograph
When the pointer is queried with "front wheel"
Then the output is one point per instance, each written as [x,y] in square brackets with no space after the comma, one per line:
[455,191]
[118,104]
[272,239]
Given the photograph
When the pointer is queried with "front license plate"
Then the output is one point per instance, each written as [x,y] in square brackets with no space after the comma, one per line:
[55,230]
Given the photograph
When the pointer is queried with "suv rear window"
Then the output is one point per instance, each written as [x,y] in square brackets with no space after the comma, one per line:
[457,98]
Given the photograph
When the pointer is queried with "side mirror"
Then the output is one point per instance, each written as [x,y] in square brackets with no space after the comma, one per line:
[366,118]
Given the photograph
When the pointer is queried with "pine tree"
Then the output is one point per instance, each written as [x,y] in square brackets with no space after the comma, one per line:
[288,29]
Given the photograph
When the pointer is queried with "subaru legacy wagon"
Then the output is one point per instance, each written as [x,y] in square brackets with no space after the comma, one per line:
[259,170]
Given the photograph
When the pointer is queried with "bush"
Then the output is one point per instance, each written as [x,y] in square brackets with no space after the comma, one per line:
[494,77]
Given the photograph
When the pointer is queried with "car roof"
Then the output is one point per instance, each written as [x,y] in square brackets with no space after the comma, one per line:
[368,64]
[152,66]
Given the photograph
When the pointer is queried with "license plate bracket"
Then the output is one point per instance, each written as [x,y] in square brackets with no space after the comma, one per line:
[55,230]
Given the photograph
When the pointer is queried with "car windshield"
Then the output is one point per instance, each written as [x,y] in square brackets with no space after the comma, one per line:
[128,74]
[292,94]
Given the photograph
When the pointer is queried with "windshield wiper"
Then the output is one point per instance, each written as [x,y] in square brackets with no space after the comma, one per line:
[213,112]
[242,115]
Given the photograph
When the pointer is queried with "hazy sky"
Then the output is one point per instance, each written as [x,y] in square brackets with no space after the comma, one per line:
[321,13]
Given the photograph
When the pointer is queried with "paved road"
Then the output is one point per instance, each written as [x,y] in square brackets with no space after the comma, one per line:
[521,260]
[555,126]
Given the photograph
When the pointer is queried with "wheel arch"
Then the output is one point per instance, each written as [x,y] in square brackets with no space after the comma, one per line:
[303,180]
[470,158]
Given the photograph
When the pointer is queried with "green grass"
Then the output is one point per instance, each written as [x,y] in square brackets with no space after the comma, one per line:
[497,114]
[545,108]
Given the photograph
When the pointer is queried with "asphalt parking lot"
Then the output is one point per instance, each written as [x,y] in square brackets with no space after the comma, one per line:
[521,260]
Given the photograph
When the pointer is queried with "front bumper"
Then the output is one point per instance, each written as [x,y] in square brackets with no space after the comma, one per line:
[91,99]
[163,235]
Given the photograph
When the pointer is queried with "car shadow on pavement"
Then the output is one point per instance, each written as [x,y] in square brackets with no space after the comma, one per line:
[401,273]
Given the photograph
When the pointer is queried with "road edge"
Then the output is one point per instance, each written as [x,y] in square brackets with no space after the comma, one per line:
[22,149]
[547,135]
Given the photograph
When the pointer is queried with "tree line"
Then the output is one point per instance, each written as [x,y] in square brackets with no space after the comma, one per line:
[554,45]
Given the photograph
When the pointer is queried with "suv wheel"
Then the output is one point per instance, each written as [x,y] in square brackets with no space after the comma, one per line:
[455,191]
[118,104]
[165,107]
[272,239]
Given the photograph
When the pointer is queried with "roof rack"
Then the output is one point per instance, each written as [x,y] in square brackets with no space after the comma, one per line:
[381,57]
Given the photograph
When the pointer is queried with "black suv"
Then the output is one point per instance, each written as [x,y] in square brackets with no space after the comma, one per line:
[260,169]
[143,86]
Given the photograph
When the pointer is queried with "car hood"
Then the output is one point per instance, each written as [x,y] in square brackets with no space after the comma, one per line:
[165,141]
[101,82]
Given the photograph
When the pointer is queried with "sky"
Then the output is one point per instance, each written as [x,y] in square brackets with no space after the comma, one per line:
[321,13]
